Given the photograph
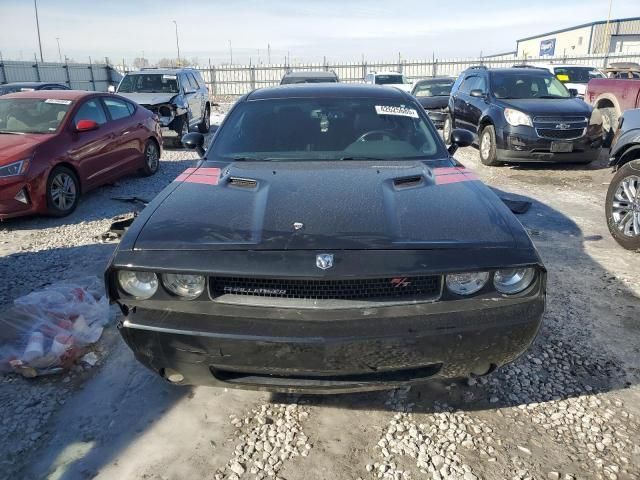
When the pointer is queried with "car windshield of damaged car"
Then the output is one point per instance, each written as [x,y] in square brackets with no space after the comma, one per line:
[149,83]
[32,115]
[434,88]
[508,85]
[326,129]
[389,79]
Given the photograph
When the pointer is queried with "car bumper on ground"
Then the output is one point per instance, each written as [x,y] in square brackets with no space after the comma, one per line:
[522,144]
[437,117]
[335,350]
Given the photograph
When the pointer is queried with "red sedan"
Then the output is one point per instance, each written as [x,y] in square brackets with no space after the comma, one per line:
[57,144]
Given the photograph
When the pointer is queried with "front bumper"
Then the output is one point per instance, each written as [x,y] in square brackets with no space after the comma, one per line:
[335,350]
[437,117]
[522,144]
[10,206]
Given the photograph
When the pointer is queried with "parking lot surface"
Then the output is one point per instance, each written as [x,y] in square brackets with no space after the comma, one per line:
[568,409]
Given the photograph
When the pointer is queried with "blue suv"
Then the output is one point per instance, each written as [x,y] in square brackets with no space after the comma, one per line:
[523,114]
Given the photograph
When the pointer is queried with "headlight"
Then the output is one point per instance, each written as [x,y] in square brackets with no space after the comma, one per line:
[13,169]
[183,285]
[466,283]
[513,280]
[141,285]
[516,117]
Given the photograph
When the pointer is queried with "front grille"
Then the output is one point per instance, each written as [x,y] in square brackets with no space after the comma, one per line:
[352,289]
[560,134]
[559,119]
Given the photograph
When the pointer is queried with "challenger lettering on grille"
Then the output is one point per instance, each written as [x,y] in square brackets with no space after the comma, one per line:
[254,291]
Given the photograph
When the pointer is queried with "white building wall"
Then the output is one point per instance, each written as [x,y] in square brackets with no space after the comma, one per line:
[570,42]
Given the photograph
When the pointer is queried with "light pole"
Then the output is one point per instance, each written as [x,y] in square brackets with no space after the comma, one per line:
[177,42]
[230,54]
[35,4]
[59,54]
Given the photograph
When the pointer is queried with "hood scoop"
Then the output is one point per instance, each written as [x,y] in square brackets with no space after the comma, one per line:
[240,182]
[408,182]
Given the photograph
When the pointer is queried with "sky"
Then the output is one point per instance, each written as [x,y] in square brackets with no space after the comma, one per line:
[306,30]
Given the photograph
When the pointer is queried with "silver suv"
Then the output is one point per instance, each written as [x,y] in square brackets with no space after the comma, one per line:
[179,97]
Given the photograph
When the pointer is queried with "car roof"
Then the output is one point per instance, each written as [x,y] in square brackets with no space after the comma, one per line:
[56,94]
[567,65]
[387,72]
[514,70]
[327,90]
[161,71]
[311,73]
[30,84]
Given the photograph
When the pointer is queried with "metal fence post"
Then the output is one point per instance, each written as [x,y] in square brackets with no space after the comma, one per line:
[252,76]
[66,67]
[214,83]
[93,80]
[37,70]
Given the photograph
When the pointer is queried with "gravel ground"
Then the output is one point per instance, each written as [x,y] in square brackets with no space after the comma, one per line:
[568,409]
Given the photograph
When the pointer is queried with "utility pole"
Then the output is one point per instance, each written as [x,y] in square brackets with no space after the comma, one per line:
[230,54]
[59,54]
[177,41]
[35,4]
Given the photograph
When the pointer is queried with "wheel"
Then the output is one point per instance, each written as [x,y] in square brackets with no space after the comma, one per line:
[488,154]
[151,158]
[446,129]
[623,206]
[206,121]
[609,125]
[182,127]
[63,191]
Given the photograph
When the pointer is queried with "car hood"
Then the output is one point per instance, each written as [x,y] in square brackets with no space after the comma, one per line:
[17,147]
[149,98]
[548,106]
[340,205]
[434,102]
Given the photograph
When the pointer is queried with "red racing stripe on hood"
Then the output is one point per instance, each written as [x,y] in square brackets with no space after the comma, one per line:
[445,175]
[204,175]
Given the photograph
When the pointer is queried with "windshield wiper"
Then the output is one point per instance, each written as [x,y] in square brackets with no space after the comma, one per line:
[11,133]
[362,157]
[551,96]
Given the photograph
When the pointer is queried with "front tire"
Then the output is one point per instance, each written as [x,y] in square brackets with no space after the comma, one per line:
[447,128]
[609,125]
[487,146]
[623,206]
[205,125]
[151,158]
[182,128]
[63,191]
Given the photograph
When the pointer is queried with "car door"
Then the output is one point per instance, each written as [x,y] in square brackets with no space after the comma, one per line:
[129,142]
[203,91]
[461,103]
[91,152]
[476,105]
[191,96]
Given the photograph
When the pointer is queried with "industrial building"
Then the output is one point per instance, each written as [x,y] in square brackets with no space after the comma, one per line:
[621,35]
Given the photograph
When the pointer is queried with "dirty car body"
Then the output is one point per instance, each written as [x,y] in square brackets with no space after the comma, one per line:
[337,248]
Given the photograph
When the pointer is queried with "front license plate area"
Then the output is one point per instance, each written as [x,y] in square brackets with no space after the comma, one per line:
[561,147]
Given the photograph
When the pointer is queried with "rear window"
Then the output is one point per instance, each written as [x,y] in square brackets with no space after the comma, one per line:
[32,115]
[389,79]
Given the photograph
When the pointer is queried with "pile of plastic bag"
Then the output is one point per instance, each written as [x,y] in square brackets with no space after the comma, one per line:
[48,330]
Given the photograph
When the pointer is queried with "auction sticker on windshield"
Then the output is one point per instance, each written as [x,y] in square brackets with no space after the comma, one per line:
[400,111]
[57,101]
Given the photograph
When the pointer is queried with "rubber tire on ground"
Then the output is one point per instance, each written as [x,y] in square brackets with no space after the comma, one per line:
[51,208]
[630,168]
[146,170]
[492,158]
[447,135]
[204,126]
[609,125]
[182,127]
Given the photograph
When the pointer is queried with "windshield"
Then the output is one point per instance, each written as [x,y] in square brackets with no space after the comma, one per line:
[325,129]
[577,74]
[525,85]
[32,115]
[148,83]
[433,88]
[389,79]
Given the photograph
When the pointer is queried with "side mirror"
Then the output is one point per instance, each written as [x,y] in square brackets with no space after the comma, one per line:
[194,141]
[86,125]
[477,93]
[573,92]
[111,89]
[460,138]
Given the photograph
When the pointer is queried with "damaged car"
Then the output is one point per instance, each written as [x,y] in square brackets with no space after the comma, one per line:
[327,242]
[179,97]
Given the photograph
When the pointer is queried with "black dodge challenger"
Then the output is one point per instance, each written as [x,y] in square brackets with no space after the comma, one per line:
[327,242]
